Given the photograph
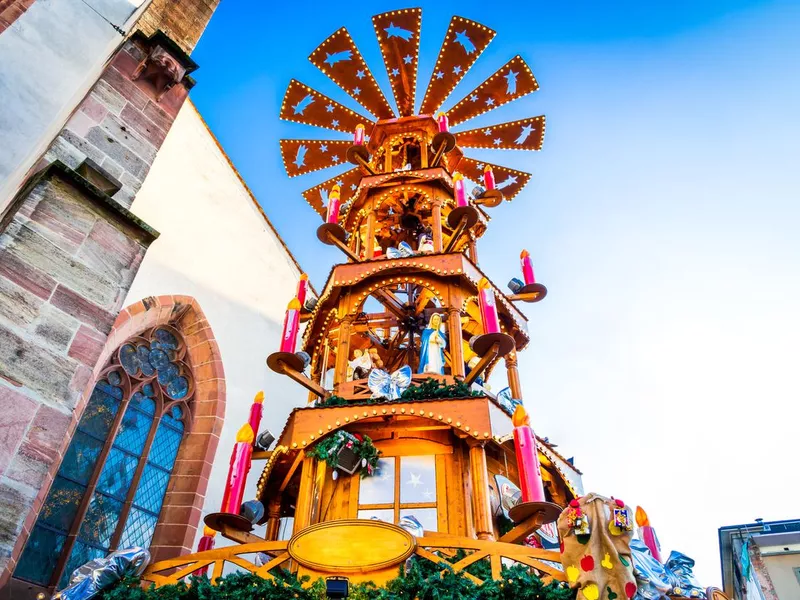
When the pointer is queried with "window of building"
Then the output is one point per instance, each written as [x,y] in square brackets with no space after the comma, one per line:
[109,488]
[402,486]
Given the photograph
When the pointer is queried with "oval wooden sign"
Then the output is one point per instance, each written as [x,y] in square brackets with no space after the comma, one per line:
[356,545]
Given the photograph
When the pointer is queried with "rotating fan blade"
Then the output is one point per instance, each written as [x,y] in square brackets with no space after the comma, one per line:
[463,43]
[513,80]
[509,181]
[317,196]
[398,37]
[305,156]
[340,60]
[525,134]
[302,104]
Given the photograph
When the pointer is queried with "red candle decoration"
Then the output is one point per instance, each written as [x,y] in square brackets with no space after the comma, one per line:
[647,533]
[527,267]
[240,466]
[444,124]
[291,325]
[358,137]
[206,543]
[530,474]
[488,306]
[458,189]
[333,205]
[255,412]
[488,178]
[302,289]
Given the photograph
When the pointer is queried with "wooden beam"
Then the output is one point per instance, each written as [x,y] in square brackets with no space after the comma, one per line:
[523,530]
[298,459]
[311,386]
[482,364]
[241,537]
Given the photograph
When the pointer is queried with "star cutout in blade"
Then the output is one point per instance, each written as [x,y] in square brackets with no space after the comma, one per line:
[526,131]
[473,98]
[395,72]
[439,74]
[323,148]
[329,108]
[393,31]
[360,74]
[510,180]
[408,59]
[335,159]
[489,101]
[497,141]
[303,104]
[356,91]
[456,70]
[332,59]
[511,82]
[466,43]
[335,123]
[488,131]
[300,158]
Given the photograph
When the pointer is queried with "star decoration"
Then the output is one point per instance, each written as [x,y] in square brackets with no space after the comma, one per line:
[353,186]
[488,131]
[357,91]
[480,167]
[335,123]
[323,148]
[497,141]
[329,108]
[395,72]
[473,98]
[339,182]
[335,159]
[490,102]
[407,59]
[439,74]
[456,69]
[415,481]
[360,74]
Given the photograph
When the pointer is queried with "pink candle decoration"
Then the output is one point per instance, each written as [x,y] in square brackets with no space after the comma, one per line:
[255,412]
[206,543]
[444,124]
[333,205]
[647,533]
[240,466]
[358,137]
[488,306]
[458,189]
[302,289]
[530,474]
[527,267]
[291,325]
[488,178]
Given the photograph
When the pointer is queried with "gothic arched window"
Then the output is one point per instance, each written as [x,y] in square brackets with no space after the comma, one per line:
[109,488]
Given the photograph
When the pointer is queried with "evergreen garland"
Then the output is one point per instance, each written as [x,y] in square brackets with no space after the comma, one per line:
[422,580]
[434,389]
[328,450]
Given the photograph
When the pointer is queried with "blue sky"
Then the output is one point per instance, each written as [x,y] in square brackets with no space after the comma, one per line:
[663,216]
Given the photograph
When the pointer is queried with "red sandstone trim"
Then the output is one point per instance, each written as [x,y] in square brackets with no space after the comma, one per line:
[11,10]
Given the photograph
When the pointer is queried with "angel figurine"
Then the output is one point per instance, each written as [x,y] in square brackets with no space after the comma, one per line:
[360,366]
[425,242]
[391,387]
[434,342]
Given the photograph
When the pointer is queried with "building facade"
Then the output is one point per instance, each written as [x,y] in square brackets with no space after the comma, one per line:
[141,286]
[761,561]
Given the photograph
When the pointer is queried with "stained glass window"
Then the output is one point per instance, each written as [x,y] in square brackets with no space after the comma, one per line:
[402,486]
[111,484]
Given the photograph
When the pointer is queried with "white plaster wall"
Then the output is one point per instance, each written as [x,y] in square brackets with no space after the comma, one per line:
[217,247]
[49,58]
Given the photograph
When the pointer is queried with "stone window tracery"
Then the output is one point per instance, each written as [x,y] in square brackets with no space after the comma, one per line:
[110,487]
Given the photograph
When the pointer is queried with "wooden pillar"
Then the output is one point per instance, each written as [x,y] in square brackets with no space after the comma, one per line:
[472,248]
[305,495]
[513,376]
[456,337]
[423,154]
[437,224]
[274,518]
[369,251]
[343,351]
[481,506]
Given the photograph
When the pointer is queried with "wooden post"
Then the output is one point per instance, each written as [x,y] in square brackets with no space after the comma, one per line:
[343,351]
[437,224]
[274,518]
[481,506]
[369,251]
[513,376]
[456,338]
[305,495]
[472,247]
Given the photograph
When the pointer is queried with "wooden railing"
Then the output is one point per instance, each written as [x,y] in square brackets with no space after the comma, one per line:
[174,569]
[435,547]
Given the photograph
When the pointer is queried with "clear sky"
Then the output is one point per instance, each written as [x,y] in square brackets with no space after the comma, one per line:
[663,217]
